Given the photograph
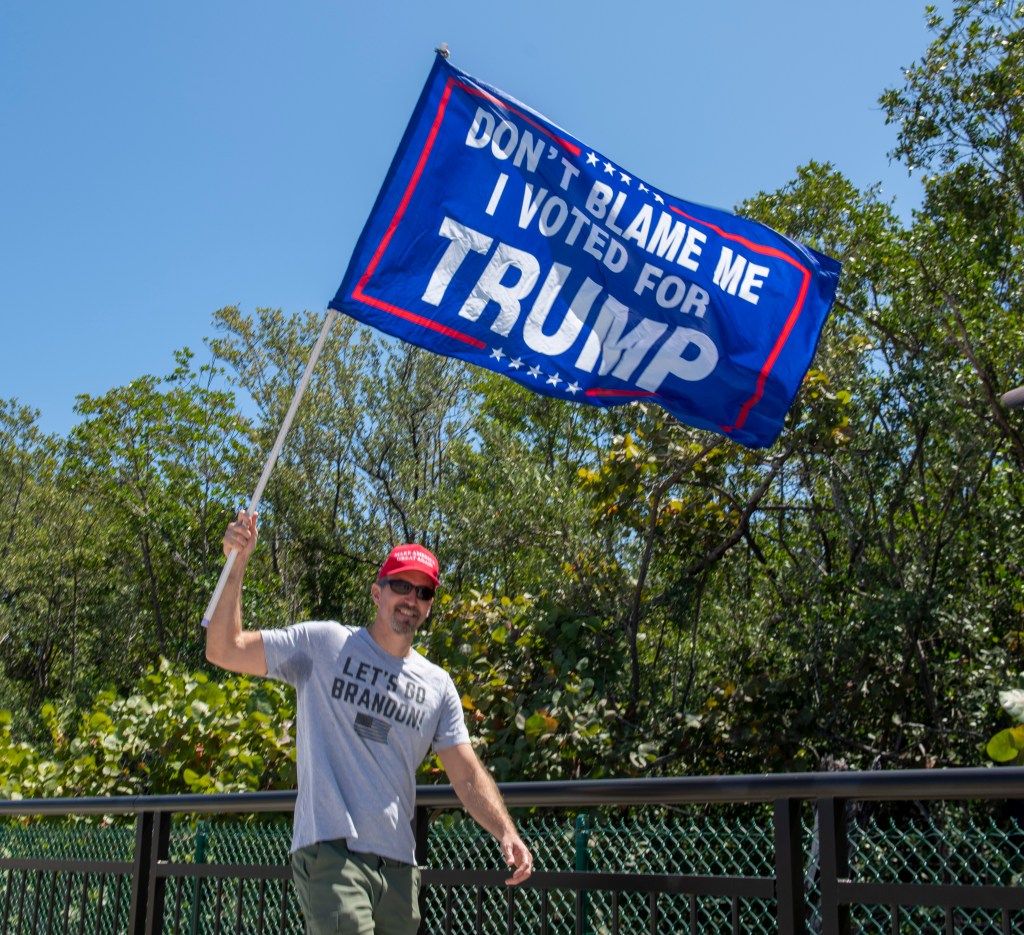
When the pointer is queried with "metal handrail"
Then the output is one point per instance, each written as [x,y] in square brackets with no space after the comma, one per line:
[893,785]
[788,793]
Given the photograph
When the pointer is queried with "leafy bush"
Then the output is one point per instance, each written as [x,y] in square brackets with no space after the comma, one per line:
[532,679]
[1008,745]
[177,732]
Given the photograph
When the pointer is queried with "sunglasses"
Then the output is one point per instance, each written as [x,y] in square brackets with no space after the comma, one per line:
[423,592]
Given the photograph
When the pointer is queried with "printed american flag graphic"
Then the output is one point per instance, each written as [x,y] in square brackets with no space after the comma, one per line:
[370,728]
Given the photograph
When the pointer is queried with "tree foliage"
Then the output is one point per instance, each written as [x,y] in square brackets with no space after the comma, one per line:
[624,595]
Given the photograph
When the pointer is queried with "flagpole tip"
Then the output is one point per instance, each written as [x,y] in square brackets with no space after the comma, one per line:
[442,50]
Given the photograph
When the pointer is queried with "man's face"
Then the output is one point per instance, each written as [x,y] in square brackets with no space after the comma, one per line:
[403,613]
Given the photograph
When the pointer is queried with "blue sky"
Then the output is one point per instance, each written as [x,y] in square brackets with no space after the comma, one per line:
[160,161]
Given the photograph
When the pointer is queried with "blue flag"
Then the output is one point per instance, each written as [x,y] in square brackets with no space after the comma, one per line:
[500,239]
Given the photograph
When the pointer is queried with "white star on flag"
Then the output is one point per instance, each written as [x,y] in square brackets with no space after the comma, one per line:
[573,388]
[609,169]
[497,353]
[591,159]
[534,372]
[625,178]
[644,188]
[659,199]
[554,380]
[516,364]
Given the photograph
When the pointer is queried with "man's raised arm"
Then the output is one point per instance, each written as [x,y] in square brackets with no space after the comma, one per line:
[228,645]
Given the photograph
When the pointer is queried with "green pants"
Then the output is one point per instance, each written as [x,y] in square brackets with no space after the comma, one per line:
[346,893]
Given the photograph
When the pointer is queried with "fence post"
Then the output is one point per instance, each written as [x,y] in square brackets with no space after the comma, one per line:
[789,884]
[835,865]
[152,834]
[157,885]
[140,873]
[582,866]
[197,889]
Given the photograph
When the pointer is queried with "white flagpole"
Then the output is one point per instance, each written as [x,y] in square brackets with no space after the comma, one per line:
[272,460]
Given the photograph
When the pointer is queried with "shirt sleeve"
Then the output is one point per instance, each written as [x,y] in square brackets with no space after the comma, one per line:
[290,651]
[451,725]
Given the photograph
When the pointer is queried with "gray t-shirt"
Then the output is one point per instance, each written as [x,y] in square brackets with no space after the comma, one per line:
[366,720]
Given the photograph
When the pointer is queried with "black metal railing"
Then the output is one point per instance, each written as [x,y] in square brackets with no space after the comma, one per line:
[152,889]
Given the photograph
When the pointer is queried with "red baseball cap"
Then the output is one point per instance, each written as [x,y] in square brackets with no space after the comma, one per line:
[410,557]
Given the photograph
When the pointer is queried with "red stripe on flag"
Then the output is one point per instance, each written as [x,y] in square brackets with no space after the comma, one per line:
[756,247]
[776,350]
[358,293]
[422,321]
[787,328]
[409,189]
[479,92]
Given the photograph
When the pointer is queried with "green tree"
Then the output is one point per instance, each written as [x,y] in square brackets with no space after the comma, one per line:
[533,677]
[365,457]
[307,519]
[515,515]
[898,542]
[51,568]
[154,461]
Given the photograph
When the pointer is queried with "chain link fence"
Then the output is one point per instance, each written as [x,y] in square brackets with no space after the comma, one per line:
[687,844]
[65,902]
[939,849]
[956,845]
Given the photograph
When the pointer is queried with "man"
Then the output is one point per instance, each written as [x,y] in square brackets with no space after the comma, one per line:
[369,710]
